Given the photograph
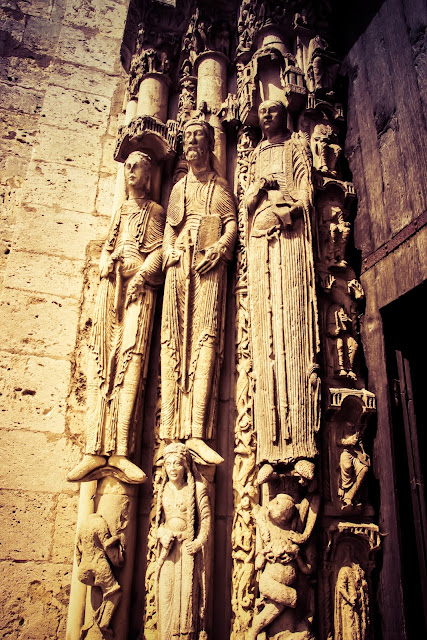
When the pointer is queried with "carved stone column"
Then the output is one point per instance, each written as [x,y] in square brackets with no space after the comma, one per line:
[153,96]
[211,69]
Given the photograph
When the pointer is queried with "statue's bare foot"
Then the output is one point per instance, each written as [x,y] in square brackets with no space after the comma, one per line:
[132,473]
[89,463]
[208,455]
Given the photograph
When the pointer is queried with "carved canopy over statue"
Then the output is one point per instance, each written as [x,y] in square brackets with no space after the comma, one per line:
[130,273]
[282,296]
[199,238]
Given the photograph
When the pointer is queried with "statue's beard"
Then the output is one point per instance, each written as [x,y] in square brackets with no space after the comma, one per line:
[195,154]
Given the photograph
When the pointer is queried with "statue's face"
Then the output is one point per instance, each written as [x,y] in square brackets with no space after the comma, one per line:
[175,468]
[196,143]
[137,172]
[271,118]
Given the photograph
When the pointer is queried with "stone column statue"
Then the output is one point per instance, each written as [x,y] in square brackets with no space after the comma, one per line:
[351,602]
[199,238]
[130,272]
[282,297]
[183,530]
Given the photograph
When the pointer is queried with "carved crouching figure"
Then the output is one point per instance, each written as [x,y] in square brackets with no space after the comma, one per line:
[96,548]
[277,556]
[183,529]
[130,273]
[199,238]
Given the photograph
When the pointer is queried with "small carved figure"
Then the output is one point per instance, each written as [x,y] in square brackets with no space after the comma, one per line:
[351,601]
[354,462]
[187,100]
[130,272]
[183,530]
[334,234]
[186,68]
[199,239]
[322,67]
[278,557]
[282,295]
[150,58]
[96,548]
[326,151]
[341,330]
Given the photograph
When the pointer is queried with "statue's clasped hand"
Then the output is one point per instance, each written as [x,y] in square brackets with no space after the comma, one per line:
[166,539]
[106,264]
[173,256]
[192,547]
[211,258]
[135,287]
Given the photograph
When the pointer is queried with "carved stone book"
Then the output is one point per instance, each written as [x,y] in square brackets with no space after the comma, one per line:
[209,233]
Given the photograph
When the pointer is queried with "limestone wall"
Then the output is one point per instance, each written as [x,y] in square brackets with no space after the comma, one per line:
[61,84]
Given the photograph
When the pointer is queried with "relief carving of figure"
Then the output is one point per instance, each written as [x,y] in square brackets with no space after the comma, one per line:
[96,551]
[334,234]
[130,273]
[281,560]
[340,321]
[282,296]
[326,151]
[183,530]
[354,462]
[199,238]
[351,601]
[322,67]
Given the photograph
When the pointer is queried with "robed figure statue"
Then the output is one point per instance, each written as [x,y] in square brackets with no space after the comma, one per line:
[183,530]
[199,238]
[130,273]
[282,298]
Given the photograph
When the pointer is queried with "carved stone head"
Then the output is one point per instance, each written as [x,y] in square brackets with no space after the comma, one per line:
[177,460]
[272,118]
[138,171]
[198,138]
[281,509]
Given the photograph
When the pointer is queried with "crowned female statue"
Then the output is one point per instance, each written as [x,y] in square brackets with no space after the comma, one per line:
[199,238]
[282,297]
[183,529]
[130,273]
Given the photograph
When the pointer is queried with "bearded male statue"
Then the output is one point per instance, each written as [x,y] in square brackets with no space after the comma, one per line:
[199,239]
[130,273]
